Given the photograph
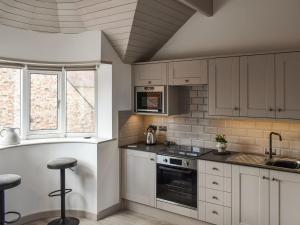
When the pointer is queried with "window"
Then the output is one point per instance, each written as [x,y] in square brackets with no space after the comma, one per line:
[43,101]
[10,90]
[81,117]
[53,101]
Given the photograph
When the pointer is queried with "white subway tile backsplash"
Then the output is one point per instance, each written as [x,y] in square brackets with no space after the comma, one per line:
[195,128]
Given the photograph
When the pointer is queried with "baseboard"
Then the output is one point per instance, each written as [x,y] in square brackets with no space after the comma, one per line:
[161,214]
[109,211]
[53,214]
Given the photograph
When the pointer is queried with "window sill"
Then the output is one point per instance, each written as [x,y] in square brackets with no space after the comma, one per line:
[57,140]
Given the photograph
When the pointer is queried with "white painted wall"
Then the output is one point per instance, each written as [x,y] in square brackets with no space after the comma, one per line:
[30,162]
[121,82]
[237,26]
[38,46]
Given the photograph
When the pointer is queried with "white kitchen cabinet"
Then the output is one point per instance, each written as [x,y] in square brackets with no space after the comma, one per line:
[284,198]
[223,87]
[150,74]
[257,86]
[287,85]
[250,196]
[191,72]
[139,177]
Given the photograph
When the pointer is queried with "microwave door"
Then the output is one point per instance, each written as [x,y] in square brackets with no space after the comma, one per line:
[149,102]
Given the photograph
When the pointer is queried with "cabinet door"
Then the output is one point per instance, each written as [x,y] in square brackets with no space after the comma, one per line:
[257,86]
[139,176]
[287,85]
[193,72]
[223,87]
[250,196]
[284,198]
[150,74]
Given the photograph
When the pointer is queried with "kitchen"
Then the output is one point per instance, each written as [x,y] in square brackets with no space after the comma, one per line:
[185,115]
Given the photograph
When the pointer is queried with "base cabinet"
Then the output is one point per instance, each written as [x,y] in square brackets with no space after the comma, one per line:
[139,177]
[250,196]
[284,198]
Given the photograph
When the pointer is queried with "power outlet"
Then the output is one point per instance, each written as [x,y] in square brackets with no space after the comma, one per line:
[162,128]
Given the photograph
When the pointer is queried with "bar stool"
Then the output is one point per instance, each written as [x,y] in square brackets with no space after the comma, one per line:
[7,181]
[62,164]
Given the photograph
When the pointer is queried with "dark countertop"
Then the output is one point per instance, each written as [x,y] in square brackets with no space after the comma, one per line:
[235,158]
[145,148]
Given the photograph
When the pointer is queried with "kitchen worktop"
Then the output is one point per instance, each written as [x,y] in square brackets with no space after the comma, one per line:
[236,158]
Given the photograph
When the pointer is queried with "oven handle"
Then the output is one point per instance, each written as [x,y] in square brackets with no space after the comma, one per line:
[175,170]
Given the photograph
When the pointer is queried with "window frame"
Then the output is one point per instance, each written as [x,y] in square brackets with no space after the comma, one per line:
[21,92]
[61,132]
[80,134]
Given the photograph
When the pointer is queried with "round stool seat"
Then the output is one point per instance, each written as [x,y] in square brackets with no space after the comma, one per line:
[62,163]
[8,181]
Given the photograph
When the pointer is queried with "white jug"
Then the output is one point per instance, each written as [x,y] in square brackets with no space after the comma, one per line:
[9,136]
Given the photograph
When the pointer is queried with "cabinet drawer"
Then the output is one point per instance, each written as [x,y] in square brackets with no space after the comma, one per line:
[214,214]
[214,168]
[214,196]
[218,197]
[214,182]
[218,169]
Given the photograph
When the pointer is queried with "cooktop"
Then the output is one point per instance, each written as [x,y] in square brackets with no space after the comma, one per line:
[185,151]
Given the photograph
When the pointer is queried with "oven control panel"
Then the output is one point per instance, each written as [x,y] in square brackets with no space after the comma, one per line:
[176,161]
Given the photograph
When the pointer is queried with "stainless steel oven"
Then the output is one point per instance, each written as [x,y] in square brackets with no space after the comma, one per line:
[177,181]
[150,99]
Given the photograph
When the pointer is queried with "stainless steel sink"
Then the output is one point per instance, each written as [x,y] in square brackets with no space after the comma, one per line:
[290,164]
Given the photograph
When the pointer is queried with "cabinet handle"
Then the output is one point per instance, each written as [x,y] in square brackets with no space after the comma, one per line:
[149,82]
[279,110]
[215,183]
[274,179]
[215,168]
[152,159]
[215,212]
[215,197]
[270,109]
[265,178]
[186,81]
[236,108]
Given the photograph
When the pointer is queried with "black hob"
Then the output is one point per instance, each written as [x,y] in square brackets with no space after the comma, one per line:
[185,151]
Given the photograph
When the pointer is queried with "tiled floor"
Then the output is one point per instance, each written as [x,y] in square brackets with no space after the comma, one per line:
[121,218]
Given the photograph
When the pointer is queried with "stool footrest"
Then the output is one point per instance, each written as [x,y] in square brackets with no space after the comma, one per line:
[59,192]
[15,220]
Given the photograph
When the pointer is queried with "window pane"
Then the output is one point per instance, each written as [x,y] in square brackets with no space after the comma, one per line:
[43,102]
[10,97]
[81,102]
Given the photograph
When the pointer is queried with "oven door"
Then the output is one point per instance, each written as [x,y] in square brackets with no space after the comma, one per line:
[150,99]
[177,185]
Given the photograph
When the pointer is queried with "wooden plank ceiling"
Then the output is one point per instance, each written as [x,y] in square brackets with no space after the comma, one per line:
[136,28]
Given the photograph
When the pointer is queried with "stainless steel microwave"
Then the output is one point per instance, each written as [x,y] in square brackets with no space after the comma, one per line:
[150,99]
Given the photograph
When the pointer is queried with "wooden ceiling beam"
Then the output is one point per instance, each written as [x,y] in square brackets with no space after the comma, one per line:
[203,6]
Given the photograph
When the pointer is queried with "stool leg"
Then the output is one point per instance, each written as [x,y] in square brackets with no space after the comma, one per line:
[63,195]
[2,208]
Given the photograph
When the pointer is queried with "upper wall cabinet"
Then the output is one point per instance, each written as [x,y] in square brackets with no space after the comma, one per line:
[257,86]
[287,85]
[192,72]
[150,74]
[223,80]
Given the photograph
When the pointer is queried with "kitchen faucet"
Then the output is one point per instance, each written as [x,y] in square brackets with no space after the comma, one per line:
[271,143]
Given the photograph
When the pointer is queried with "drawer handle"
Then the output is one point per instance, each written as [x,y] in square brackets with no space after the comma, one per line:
[215,197]
[186,81]
[215,183]
[215,212]
[149,82]
[215,168]
[265,178]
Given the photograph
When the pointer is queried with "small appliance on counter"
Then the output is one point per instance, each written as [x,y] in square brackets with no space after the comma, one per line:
[151,135]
